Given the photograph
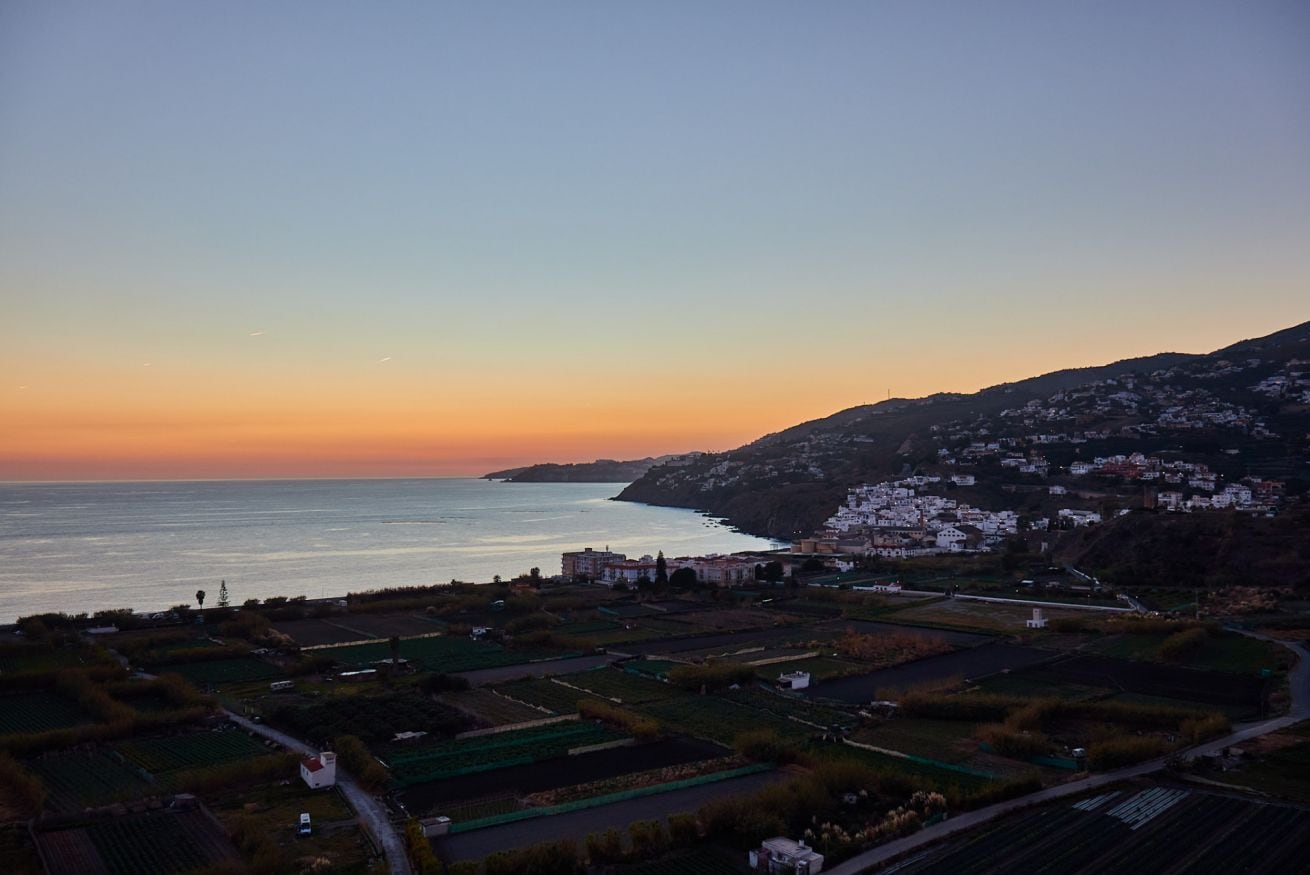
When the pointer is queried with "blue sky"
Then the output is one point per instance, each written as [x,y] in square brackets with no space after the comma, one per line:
[537,202]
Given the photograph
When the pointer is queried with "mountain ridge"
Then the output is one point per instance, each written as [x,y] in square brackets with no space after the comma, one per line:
[784,484]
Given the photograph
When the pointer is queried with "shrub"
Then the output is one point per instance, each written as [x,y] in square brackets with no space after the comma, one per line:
[643,728]
[21,786]
[1198,729]
[1182,644]
[684,831]
[1010,742]
[211,779]
[764,746]
[548,858]
[420,850]
[356,759]
[648,838]
[969,706]
[605,847]
[1112,753]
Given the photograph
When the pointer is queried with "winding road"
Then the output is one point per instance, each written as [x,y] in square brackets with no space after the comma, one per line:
[1298,685]
[371,809]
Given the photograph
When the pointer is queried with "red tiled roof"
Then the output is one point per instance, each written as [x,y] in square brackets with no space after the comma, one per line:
[312,763]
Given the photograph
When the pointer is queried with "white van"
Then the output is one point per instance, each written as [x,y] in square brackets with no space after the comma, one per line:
[305,828]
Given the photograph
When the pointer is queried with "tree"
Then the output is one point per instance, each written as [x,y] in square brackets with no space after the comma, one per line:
[773,571]
[661,570]
[222,594]
[684,578]
[200,598]
[535,573]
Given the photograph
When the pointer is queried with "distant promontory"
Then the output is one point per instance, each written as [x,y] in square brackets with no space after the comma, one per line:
[599,471]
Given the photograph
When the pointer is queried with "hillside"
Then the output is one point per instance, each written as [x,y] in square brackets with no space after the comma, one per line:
[599,471]
[1204,550]
[1244,409]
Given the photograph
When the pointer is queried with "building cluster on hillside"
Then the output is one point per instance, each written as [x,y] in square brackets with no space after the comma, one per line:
[895,519]
[1293,384]
[610,568]
[1126,406]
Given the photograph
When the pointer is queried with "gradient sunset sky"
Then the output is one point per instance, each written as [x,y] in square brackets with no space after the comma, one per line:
[371,239]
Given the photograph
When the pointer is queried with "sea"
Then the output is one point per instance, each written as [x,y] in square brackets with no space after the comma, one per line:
[150,545]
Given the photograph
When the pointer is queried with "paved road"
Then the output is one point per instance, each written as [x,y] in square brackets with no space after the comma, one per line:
[370,808]
[481,676]
[1298,682]
[479,843]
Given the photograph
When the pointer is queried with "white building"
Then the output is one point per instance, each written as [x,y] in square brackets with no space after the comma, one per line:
[794,680]
[319,771]
[782,856]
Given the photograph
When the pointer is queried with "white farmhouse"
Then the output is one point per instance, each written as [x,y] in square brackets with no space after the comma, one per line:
[319,771]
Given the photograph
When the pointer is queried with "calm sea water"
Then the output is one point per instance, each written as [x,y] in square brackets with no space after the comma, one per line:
[91,546]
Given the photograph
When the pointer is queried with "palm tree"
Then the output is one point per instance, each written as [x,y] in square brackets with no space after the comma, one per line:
[200,598]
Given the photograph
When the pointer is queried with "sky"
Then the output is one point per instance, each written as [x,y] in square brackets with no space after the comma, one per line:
[297,239]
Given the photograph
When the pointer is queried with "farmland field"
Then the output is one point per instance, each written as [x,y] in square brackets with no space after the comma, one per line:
[224,671]
[720,720]
[17,659]
[489,709]
[1152,679]
[158,842]
[544,693]
[440,653]
[978,616]
[39,711]
[358,627]
[488,752]
[945,740]
[927,776]
[821,668]
[180,752]
[978,661]
[439,796]
[613,683]
[374,717]
[76,780]
[1228,652]
[787,706]
[1148,831]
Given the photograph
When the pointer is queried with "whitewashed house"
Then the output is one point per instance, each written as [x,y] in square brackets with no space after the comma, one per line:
[319,771]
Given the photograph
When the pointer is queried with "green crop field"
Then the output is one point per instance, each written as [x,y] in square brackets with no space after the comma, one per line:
[180,752]
[925,776]
[616,684]
[718,719]
[38,711]
[946,740]
[162,842]
[790,706]
[19,659]
[556,698]
[240,669]
[439,653]
[374,717]
[485,753]
[75,780]
[489,708]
